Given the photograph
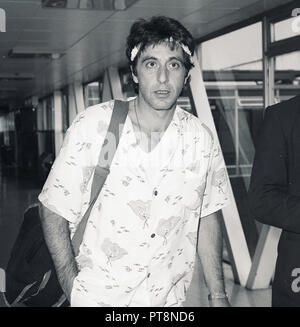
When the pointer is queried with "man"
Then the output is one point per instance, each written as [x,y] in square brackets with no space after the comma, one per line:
[140,242]
[274,193]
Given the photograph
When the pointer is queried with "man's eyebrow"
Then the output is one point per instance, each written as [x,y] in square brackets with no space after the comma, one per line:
[177,58]
[154,58]
[148,58]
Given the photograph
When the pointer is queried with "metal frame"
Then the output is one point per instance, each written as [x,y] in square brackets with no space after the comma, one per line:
[264,260]
[78,96]
[236,134]
[274,15]
[71,104]
[58,123]
[115,83]
[112,87]
[106,91]
[268,65]
[76,100]
[234,235]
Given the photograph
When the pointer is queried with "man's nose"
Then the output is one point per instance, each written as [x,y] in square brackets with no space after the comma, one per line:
[162,75]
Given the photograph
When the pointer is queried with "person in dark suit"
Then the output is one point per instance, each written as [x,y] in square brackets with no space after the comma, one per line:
[274,193]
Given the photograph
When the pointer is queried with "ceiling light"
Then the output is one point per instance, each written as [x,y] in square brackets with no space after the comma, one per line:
[55,56]
[16,76]
[33,53]
[88,4]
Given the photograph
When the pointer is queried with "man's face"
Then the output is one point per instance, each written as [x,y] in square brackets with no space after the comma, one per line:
[160,73]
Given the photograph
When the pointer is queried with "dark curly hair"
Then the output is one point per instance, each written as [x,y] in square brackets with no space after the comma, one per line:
[156,30]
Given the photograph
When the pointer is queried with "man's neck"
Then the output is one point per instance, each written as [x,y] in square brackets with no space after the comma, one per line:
[151,119]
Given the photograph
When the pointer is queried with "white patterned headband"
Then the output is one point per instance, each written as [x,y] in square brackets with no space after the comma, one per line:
[137,48]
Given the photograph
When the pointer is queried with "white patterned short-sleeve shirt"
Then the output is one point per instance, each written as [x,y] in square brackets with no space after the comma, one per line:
[139,245]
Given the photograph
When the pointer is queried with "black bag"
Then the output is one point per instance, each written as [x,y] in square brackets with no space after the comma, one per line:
[30,275]
[29,262]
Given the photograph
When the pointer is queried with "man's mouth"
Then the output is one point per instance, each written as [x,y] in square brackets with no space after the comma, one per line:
[162,92]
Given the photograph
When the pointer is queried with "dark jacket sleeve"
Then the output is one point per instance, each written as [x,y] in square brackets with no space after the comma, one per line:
[269,198]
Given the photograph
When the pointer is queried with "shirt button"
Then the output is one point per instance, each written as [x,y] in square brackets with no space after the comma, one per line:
[155,192]
[148,275]
[153,235]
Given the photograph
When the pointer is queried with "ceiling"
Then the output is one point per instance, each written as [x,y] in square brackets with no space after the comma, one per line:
[91,40]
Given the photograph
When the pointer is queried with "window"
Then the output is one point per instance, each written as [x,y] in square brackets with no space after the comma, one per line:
[92,93]
[233,76]
[45,112]
[7,127]
[49,113]
[287,76]
[287,28]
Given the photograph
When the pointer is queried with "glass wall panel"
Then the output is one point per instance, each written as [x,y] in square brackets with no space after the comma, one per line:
[287,28]
[233,76]
[49,113]
[7,126]
[65,110]
[92,93]
[7,139]
[45,114]
[287,76]
[45,137]
[184,102]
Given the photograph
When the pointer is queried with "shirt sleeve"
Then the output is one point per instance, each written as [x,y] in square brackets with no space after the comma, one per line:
[64,187]
[216,194]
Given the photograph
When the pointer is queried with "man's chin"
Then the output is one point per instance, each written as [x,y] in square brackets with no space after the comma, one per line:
[164,108]
[164,105]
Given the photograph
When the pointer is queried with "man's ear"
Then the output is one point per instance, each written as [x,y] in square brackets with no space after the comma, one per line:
[134,77]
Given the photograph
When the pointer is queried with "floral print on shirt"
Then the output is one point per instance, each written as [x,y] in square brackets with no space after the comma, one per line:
[140,242]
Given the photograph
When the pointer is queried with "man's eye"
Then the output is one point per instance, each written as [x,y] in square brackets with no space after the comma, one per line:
[151,64]
[174,65]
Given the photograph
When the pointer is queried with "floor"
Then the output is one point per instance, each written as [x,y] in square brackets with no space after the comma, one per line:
[18,192]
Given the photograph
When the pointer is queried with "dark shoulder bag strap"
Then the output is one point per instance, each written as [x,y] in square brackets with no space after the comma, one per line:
[107,153]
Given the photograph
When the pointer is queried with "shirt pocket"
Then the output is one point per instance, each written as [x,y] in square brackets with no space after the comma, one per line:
[193,190]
